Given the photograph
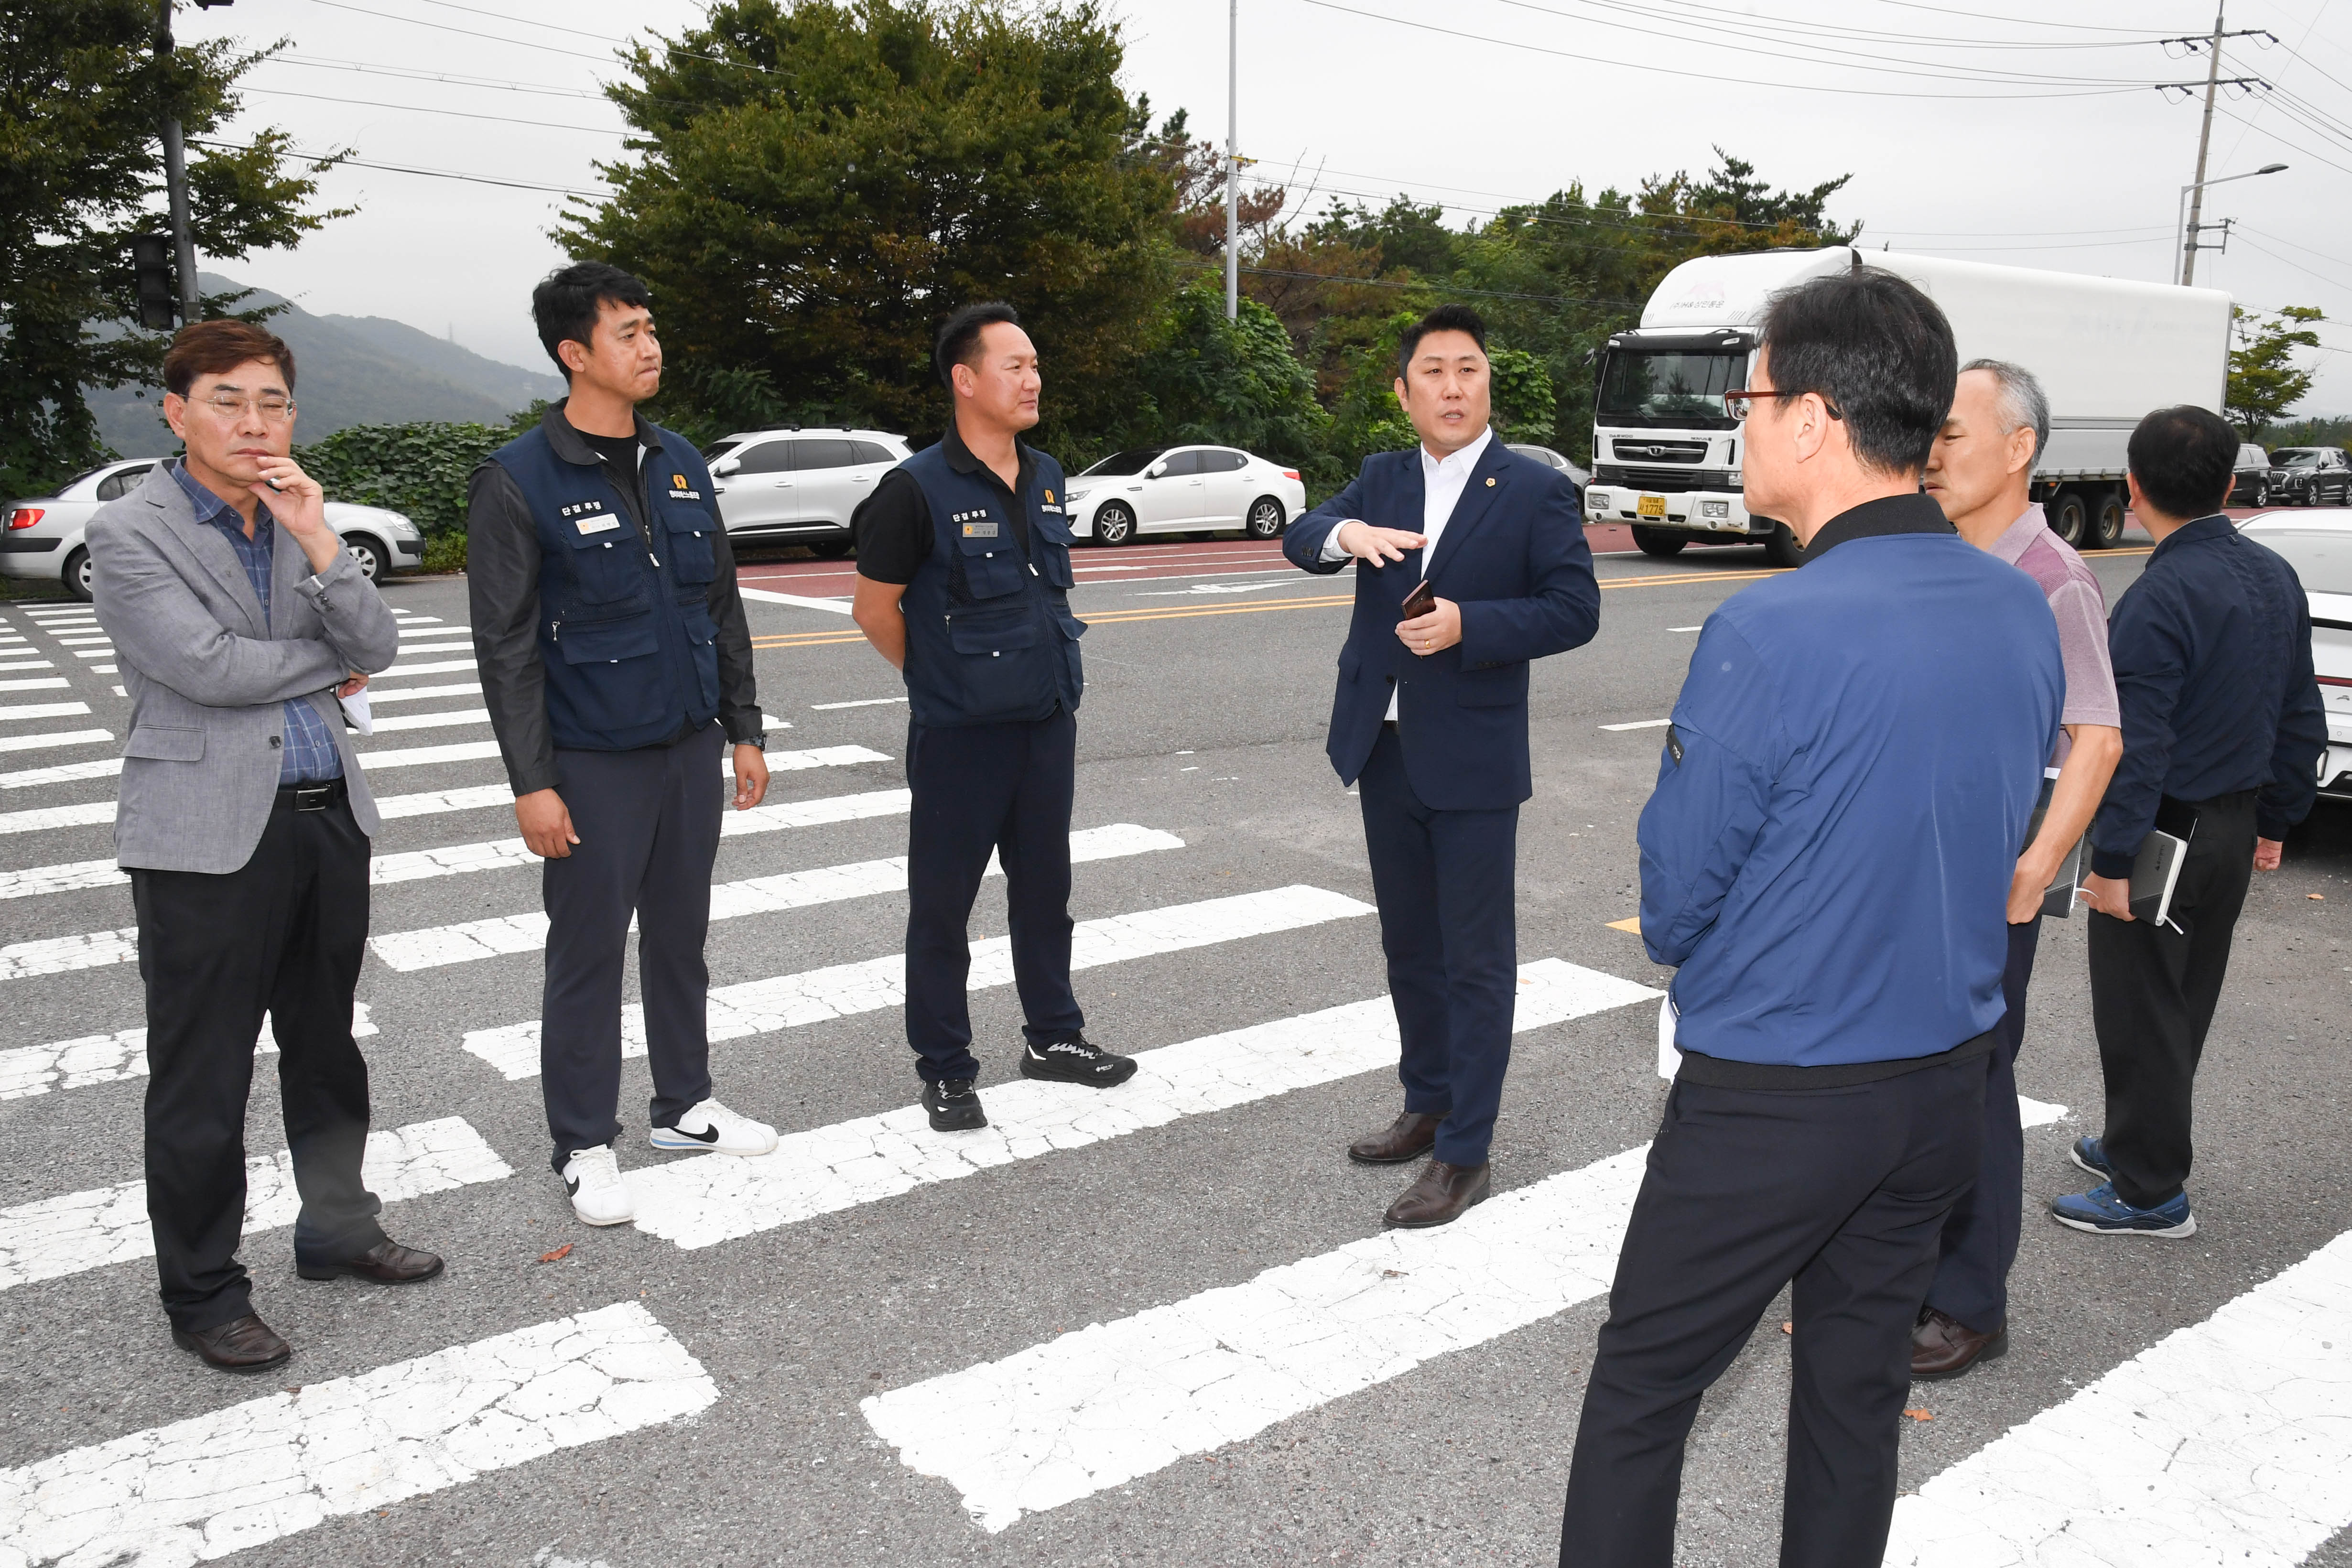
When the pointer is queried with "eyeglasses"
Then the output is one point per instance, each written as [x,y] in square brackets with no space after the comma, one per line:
[276,409]
[1739,404]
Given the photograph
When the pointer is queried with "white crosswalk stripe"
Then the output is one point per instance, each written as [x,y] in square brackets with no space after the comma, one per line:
[701,1203]
[2226,1442]
[90,1059]
[1099,1407]
[84,1230]
[56,737]
[843,990]
[437,945]
[276,1466]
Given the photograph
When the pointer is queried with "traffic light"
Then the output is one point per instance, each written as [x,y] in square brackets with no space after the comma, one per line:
[151,259]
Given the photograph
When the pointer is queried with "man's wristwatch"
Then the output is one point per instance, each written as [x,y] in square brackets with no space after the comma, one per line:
[761,744]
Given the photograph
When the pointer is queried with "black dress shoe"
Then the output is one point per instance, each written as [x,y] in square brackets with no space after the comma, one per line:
[386,1263]
[1942,1346]
[1409,1137]
[240,1344]
[1442,1193]
[953,1105]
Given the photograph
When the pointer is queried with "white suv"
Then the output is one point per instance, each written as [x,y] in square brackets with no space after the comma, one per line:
[41,537]
[799,486]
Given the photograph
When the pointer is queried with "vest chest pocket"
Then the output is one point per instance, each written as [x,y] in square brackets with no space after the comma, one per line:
[693,558]
[992,567]
[608,570]
[1052,548]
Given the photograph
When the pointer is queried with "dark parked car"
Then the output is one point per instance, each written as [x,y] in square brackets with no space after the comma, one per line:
[1551,459]
[2251,486]
[2307,475]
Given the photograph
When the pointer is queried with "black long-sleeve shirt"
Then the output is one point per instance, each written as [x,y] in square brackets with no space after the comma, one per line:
[502,561]
[2212,656]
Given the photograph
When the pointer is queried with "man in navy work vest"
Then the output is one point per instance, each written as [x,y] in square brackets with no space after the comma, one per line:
[964,578]
[1430,721]
[1843,794]
[613,651]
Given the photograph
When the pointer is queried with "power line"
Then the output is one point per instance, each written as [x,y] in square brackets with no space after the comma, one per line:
[428,108]
[467,32]
[344,161]
[1583,58]
[1431,286]
[2012,21]
[529,44]
[410,73]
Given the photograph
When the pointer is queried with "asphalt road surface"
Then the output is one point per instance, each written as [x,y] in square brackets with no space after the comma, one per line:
[1161,1325]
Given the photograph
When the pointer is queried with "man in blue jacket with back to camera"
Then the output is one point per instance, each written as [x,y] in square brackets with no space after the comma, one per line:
[1846,785]
[1431,721]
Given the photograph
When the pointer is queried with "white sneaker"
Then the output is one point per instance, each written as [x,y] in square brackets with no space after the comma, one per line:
[599,1196]
[712,1128]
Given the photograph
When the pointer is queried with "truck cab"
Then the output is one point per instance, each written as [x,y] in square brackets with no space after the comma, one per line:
[1665,456]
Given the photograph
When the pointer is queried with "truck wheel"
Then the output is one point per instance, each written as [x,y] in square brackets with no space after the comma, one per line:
[1782,548]
[2107,522]
[2070,519]
[1658,542]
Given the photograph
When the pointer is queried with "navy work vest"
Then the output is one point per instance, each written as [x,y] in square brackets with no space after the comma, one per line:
[989,636]
[624,634]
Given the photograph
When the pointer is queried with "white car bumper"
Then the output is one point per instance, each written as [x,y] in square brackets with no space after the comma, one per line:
[1711,512]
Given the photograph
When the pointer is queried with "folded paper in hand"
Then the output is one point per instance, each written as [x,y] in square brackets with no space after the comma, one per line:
[355,712]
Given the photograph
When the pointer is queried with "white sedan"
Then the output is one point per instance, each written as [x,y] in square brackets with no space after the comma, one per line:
[41,537]
[1182,490]
[2320,550]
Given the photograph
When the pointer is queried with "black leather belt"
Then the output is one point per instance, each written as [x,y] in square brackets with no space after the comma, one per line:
[313,797]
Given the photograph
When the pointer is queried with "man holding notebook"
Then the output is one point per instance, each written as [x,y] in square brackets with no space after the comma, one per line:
[1980,472]
[2222,729]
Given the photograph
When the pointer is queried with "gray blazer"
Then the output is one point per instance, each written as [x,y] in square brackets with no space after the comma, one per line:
[207,679]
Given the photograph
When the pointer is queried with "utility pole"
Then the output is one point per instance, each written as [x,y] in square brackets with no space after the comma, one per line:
[2204,140]
[176,177]
[1234,159]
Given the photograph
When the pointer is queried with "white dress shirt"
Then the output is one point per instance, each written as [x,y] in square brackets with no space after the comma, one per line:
[1443,480]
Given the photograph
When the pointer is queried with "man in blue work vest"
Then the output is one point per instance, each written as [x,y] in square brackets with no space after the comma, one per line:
[964,578]
[613,654]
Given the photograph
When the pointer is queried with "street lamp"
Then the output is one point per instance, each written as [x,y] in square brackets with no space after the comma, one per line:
[2185,238]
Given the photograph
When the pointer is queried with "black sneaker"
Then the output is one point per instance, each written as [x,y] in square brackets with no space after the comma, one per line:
[1076,1061]
[953,1105]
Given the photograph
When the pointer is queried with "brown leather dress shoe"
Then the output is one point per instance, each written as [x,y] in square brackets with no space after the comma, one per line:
[386,1263]
[1942,1346]
[1409,1137]
[1440,1194]
[240,1344]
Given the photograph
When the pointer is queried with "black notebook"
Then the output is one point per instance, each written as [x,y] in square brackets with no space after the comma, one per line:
[2058,898]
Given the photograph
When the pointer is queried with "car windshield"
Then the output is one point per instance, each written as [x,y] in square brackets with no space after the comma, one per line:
[1667,387]
[1120,462]
[2322,558]
[2303,459]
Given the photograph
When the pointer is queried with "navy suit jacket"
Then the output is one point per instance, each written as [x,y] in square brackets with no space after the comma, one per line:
[1513,557]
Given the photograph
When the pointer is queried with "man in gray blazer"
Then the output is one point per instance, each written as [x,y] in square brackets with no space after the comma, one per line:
[244,821]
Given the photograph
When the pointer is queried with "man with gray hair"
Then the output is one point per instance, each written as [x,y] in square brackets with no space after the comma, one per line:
[1981,473]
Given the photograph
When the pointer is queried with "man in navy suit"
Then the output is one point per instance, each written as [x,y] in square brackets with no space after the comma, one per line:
[1430,720]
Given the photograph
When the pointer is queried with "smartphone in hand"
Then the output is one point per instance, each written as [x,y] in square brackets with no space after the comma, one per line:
[1419,602]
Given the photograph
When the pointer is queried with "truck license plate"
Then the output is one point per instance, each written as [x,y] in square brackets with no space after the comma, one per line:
[1651,506]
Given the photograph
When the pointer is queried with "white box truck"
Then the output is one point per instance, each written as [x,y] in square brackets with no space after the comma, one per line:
[1666,457]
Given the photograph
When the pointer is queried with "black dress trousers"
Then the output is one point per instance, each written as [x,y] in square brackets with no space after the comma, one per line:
[1980,1238]
[2153,992]
[977,788]
[647,822]
[282,935]
[1843,1191]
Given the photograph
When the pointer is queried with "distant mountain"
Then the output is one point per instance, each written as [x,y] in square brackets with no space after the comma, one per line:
[350,369]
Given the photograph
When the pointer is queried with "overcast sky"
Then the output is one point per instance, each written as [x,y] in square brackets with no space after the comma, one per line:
[2033,141]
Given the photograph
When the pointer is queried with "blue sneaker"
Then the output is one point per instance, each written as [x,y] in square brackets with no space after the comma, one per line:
[2091,1154]
[2101,1213]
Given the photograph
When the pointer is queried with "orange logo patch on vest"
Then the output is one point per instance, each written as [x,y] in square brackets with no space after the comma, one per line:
[678,481]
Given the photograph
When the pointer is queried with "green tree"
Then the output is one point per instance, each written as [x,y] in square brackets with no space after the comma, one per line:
[82,97]
[2265,380]
[1234,383]
[814,187]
